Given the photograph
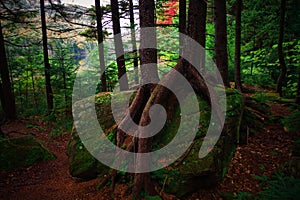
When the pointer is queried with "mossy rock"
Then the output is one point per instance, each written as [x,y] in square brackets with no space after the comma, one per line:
[21,152]
[82,164]
[193,173]
[180,178]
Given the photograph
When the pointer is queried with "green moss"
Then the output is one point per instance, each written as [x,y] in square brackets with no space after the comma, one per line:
[21,152]
[191,173]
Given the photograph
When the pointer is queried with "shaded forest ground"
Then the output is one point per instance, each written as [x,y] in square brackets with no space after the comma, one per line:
[266,150]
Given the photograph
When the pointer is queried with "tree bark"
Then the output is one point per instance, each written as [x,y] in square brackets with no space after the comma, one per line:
[49,92]
[133,41]
[280,48]
[147,56]
[182,23]
[119,45]
[100,44]
[237,55]
[7,95]
[298,89]
[221,55]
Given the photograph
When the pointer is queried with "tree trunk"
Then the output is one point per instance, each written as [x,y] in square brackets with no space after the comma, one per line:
[133,41]
[49,92]
[280,49]
[202,19]
[119,45]
[298,89]
[160,94]
[100,44]
[221,55]
[147,56]
[237,55]
[182,23]
[8,99]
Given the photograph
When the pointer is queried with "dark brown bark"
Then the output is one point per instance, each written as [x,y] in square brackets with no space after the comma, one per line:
[133,41]
[298,89]
[147,56]
[147,95]
[100,44]
[237,55]
[119,45]
[202,19]
[49,92]
[280,48]
[182,22]
[7,95]
[221,55]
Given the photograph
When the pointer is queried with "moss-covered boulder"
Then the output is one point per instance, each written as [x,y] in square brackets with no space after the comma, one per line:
[190,173]
[82,164]
[21,152]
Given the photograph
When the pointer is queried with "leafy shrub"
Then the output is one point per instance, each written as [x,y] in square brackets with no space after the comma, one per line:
[281,187]
[292,122]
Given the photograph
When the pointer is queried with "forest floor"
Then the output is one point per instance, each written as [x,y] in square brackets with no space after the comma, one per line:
[265,151]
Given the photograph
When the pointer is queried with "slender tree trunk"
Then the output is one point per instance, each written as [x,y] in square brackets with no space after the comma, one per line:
[119,45]
[237,55]
[8,99]
[133,41]
[64,76]
[298,89]
[33,87]
[182,23]
[100,44]
[202,29]
[221,55]
[280,48]
[202,19]
[49,92]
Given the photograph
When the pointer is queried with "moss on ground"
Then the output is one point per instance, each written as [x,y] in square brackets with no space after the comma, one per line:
[21,152]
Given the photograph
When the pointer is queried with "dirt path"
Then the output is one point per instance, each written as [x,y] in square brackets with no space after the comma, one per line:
[50,179]
[265,151]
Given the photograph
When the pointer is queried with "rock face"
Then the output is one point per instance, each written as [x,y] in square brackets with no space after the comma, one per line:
[188,173]
[82,164]
[21,152]
[191,173]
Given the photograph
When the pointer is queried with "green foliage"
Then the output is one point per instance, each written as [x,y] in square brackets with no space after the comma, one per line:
[153,198]
[263,98]
[239,196]
[263,178]
[281,187]
[61,126]
[35,127]
[292,121]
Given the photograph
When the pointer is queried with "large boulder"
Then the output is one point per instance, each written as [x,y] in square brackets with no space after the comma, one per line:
[82,164]
[21,152]
[188,173]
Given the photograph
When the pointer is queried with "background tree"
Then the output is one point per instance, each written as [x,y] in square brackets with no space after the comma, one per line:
[298,89]
[280,48]
[119,45]
[221,55]
[7,95]
[182,22]
[49,92]
[100,44]
[133,42]
[237,55]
